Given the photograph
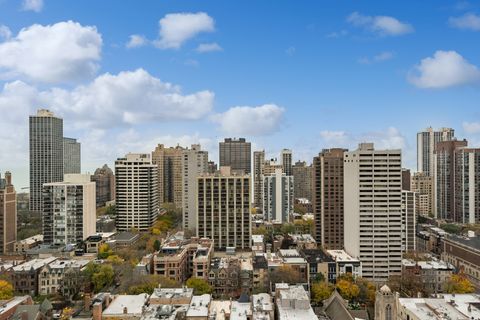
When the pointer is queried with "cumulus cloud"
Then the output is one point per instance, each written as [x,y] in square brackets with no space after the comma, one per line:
[208,47]
[250,121]
[471,127]
[381,25]
[32,5]
[5,32]
[136,40]
[468,21]
[444,69]
[63,52]
[332,139]
[177,28]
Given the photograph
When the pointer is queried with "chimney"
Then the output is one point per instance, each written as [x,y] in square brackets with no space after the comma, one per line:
[125,310]
[97,311]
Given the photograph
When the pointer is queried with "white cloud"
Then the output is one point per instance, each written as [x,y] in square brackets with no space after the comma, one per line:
[339,34]
[208,47]
[468,21]
[136,40]
[331,139]
[250,121]
[383,56]
[63,52]
[5,32]
[444,69]
[176,28]
[381,25]
[32,5]
[290,51]
[471,127]
[388,139]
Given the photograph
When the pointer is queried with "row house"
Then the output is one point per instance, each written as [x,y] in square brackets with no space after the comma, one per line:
[223,276]
[61,276]
[24,277]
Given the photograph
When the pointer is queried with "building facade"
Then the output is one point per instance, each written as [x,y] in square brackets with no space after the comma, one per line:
[426,146]
[236,154]
[278,197]
[104,185]
[328,198]
[170,179]
[444,175]
[287,162]
[69,211]
[373,210]
[409,221]
[467,185]
[71,156]
[136,193]
[8,214]
[422,185]
[302,180]
[46,154]
[258,164]
[194,164]
[223,209]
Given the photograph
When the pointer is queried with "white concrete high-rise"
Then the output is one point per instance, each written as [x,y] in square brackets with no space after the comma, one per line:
[69,210]
[194,164]
[136,194]
[426,145]
[46,154]
[467,185]
[373,210]
[278,198]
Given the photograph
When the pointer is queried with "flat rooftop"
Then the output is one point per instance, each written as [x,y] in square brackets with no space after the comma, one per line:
[133,304]
[341,256]
[199,306]
[33,264]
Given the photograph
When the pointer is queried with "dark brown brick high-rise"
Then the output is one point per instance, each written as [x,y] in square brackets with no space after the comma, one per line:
[328,198]
[236,154]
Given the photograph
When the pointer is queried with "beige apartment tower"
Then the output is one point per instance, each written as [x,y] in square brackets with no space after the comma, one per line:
[170,180]
[8,214]
[136,193]
[328,198]
[302,178]
[373,210]
[223,204]
[422,185]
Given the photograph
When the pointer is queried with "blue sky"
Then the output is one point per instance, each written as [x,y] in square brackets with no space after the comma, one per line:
[285,75]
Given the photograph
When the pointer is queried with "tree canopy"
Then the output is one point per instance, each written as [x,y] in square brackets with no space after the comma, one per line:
[200,286]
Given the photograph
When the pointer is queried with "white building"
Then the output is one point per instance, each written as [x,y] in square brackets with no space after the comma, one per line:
[373,210]
[278,198]
[293,302]
[426,141]
[69,210]
[346,263]
[136,192]
[194,163]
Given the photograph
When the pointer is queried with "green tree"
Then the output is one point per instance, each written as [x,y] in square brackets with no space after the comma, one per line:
[286,274]
[200,286]
[6,290]
[99,275]
[104,251]
[156,245]
[458,283]
[321,291]
[149,283]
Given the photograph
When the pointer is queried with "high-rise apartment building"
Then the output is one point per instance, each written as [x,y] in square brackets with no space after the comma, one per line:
[69,212]
[406,180]
[278,197]
[194,164]
[302,180]
[46,154]
[422,185]
[212,167]
[8,214]
[287,162]
[373,210]
[426,145]
[328,197]
[223,208]
[71,156]
[444,175]
[136,192]
[236,154]
[467,185]
[409,221]
[104,184]
[258,164]
[271,166]
[170,181]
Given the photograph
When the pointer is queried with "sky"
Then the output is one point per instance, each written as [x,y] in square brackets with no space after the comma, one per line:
[127,75]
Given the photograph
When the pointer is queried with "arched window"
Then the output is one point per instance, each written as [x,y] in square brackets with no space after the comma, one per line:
[388,312]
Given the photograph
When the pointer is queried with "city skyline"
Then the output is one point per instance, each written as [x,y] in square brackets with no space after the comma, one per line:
[321,77]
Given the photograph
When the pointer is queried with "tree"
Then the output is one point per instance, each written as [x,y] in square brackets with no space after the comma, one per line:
[149,283]
[6,290]
[99,275]
[156,245]
[67,313]
[321,291]
[200,286]
[367,291]
[347,287]
[286,274]
[104,251]
[458,283]
[114,259]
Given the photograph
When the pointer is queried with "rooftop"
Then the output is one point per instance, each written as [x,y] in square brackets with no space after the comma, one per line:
[316,255]
[33,264]
[472,242]
[199,306]
[426,265]
[172,293]
[126,304]
[241,310]
[341,256]
[31,240]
